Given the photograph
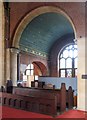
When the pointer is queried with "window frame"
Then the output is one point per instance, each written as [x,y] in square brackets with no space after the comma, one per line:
[30,69]
[73,69]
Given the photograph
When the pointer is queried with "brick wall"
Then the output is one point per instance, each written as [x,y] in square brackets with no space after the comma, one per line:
[38,62]
[74,10]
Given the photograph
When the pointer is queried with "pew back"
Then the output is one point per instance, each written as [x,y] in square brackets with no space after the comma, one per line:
[60,94]
[37,104]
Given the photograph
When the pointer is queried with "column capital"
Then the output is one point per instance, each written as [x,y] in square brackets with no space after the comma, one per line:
[14,50]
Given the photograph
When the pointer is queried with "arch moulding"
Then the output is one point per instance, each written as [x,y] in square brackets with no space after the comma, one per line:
[31,15]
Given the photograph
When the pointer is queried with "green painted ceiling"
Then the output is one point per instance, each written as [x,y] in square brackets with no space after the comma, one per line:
[41,33]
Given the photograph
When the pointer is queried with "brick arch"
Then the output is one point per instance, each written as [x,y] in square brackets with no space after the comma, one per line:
[40,68]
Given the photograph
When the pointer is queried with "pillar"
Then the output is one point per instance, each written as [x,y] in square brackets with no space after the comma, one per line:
[8,71]
[2,77]
[14,59]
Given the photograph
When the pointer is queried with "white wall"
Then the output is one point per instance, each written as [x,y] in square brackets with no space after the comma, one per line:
[82,66]
[57,81]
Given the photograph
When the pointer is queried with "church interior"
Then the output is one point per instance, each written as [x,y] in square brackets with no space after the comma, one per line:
[43,58]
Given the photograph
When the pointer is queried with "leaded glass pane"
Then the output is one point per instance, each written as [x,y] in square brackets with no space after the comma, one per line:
[32,72]
[62,63]
[65,53]
[69,73]
[62,73]
[75,62]
[75,72]
[75,53]
[27,72]
[28,67]
[68,63]
[67,48]
[36,77]
[32,66]
[75,46]
[71,53]
[70,46]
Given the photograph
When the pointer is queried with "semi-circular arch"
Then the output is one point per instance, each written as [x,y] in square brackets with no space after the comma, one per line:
[31,15]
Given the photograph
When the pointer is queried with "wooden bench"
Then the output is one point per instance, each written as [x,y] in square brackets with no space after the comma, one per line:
[39,84]
[48,86]
[63,96]
[42,104]
[70,98]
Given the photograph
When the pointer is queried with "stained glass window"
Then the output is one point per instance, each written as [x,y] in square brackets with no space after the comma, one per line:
[68,61]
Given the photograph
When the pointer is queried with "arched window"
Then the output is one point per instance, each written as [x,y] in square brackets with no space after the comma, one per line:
[30,69]
[68,61]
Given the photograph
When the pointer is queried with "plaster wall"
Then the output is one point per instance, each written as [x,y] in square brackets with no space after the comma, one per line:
[81,71]
[57,82]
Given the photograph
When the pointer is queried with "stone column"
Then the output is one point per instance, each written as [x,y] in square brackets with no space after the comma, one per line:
[14,52]
[2,50]
[8,71]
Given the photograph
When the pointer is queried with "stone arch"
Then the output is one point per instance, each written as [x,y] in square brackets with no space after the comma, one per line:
[30,16]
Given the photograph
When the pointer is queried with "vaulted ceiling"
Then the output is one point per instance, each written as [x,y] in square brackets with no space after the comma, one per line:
[43,31]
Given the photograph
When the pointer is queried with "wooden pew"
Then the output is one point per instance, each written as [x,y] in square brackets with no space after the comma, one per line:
[61,95]
[48,86]
[70,98]
[69,94]
[43,104]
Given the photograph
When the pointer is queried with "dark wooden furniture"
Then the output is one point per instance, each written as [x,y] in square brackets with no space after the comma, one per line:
[42,104]
[33,83]
[70,97]
[40,84]
[63,96]
[9,86]
[49,86]
[37,100]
